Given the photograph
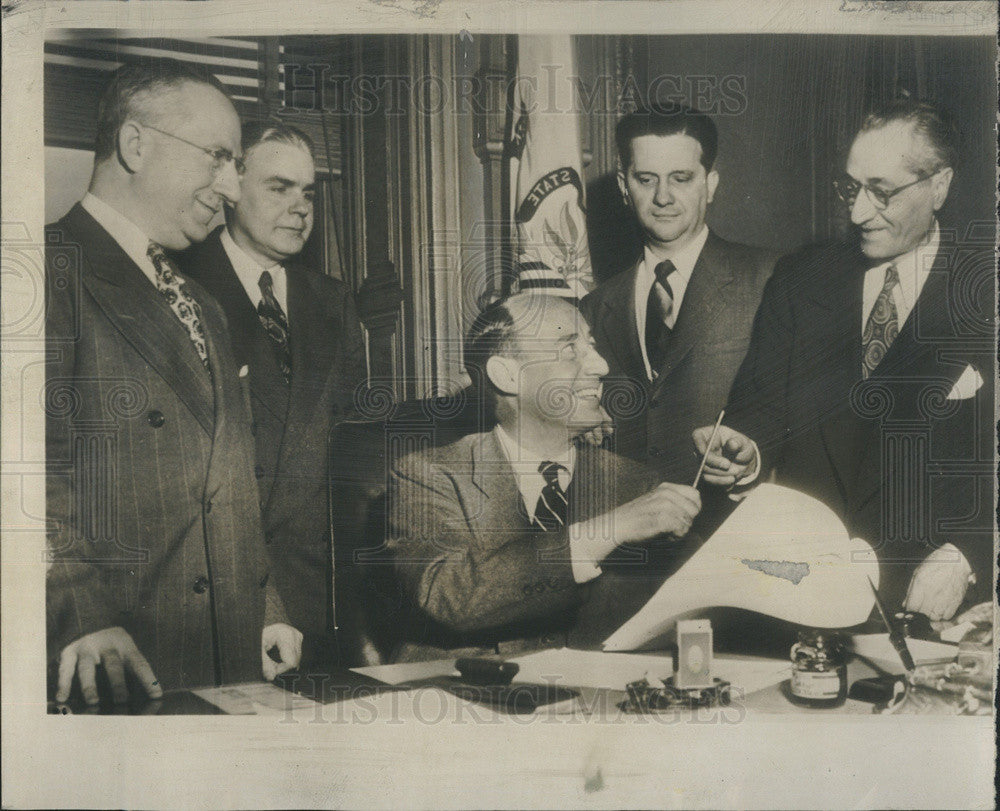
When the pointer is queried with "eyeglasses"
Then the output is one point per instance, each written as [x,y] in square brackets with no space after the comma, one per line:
[220,157]
[848,189]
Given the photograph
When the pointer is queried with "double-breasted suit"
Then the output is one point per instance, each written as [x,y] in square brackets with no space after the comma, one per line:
[654,418]
[480,578]
[906,456]
[153,520]
[292,422]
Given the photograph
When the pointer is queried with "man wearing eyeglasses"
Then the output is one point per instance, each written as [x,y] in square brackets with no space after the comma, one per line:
[157,575]
[299,335]
[869,378]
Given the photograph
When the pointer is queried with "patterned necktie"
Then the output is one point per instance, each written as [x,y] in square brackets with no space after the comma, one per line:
[179,299]
[550,512]
[275,324]
[659,307]
[882,327]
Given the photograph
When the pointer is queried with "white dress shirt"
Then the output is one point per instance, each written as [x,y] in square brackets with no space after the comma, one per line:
[126,233]
[249,271]
[530,482]
[913,267]
[684,261]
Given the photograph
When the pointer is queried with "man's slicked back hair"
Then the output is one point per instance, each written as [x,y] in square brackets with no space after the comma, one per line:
[133,82]
[260,132]
[929,121]
[663,120]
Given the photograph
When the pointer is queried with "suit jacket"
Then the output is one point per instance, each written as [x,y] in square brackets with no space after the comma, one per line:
[480,579]
[906,467]
[291,423]
[151,510]
[654,420]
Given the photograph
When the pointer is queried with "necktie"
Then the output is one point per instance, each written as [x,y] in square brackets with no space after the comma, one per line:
[179,299]
[882,327]
[659,307]
[275,324]
[550,512]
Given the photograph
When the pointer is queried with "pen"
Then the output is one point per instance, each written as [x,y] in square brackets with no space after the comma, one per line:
[711,439]
[896,636]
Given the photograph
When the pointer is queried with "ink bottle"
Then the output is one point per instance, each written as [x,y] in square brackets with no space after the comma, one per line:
[819,669]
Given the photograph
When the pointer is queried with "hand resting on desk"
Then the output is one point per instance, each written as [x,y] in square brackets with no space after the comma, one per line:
[113,648]
[286,641]
[938,586]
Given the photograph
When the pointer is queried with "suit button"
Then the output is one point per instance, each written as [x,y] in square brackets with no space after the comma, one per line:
[200,585]
[268,537]
[155,418]
[258,471]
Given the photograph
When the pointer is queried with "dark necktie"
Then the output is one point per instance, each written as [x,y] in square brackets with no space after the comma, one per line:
[659,307]
[550,512]
[180,300]
[882,327]
[272,317]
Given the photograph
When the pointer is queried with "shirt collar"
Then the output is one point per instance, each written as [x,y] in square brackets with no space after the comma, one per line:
[913,267]
[525,462]
[684,260]
[524,459]
[126,233]
[248,270]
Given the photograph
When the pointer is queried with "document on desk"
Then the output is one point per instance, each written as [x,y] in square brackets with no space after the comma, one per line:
[780,553]
[878,648]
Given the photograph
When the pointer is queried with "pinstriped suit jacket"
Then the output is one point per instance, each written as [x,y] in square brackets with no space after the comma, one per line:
[152,509]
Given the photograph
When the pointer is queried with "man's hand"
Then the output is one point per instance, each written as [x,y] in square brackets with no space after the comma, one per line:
[938,586]
[287,641]
[596,436]
[731,457]
[668,510]
[116,650]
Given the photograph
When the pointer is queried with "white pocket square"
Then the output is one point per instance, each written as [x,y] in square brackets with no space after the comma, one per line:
[967,385]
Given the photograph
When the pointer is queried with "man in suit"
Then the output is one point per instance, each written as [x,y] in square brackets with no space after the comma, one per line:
[157,570]
[674,326]
[501,539]
[869,378]
[298,332]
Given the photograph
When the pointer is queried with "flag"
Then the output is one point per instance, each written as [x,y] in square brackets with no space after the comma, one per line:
[546,167]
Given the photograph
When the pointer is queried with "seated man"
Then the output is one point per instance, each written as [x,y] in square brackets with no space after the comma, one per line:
[500,539]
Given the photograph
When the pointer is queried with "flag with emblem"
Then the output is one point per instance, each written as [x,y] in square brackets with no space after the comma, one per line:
[545,163]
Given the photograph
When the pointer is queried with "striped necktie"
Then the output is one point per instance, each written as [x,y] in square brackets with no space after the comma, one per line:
[272,317]
[550,511]
[187,310]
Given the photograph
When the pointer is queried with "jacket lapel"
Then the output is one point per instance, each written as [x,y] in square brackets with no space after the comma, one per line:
[705,298]
[834,317]
[137,310]
[313,351]
[492,491]
[615,321]
[912,361]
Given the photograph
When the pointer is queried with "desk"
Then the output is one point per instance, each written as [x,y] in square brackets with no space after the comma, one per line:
[427,749]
